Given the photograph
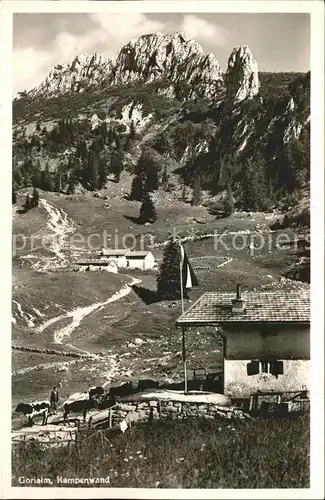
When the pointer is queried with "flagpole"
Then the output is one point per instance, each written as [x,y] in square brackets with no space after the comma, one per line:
[181,278]
[183,329]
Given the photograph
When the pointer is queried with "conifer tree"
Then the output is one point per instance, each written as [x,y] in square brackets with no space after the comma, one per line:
[72,182]
[117,164]
[270,191]
[197,193]
[228,203]
[17,176]
[48,183]
[165,178]
[255,192]
[92,174]
[57,182]
[27,204]
[300,162]
[14,196]
[138,187]
[168,281]
[35,198]
[93,181]
[147,211]
[148,168]
[132,131]
[103,172]
[184,197]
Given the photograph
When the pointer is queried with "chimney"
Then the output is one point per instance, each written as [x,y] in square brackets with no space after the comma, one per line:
[238,304]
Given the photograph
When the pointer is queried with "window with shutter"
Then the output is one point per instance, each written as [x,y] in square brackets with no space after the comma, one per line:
[253,368]
[277,368]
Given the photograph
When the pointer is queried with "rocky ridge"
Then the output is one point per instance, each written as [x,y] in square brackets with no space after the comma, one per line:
[175,58]
[83,72]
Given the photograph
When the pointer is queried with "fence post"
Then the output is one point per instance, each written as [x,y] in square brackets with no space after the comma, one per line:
[110,418]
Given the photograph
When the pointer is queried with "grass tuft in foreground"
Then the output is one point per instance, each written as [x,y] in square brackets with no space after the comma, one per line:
[181,454]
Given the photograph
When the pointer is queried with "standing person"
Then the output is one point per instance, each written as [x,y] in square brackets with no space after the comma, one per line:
[54,398]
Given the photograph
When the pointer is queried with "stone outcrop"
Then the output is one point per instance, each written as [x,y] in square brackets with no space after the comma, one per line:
[83,72]
[175,58]
[241,78]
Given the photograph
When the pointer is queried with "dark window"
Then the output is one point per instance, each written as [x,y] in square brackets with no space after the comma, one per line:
[276,368]
[272,367]
[253,368]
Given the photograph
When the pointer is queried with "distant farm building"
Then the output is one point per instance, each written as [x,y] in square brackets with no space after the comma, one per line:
[131,259]
[119,256]
[109,265]
[266,337]
[140,260]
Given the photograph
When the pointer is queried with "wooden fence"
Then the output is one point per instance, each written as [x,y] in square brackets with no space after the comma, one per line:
[279,402]
[80,429]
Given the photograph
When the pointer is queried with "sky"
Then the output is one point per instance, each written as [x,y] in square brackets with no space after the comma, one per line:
[279,42]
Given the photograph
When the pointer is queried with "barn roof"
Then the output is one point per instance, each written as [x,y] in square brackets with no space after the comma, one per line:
[111,252]
[137,254]
[214,308]
[87,262]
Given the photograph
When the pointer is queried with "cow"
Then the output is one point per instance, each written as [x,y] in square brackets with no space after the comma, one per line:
[147,384]
[123,390]
[30,410]
[107,401]
[79,406]
[96,392]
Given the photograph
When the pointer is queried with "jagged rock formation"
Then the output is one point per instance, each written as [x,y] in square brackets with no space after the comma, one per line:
[175,58]
[83,72]
[242,74]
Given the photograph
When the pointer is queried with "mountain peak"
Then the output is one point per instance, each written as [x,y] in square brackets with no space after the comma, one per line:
[241,77]
[175,57]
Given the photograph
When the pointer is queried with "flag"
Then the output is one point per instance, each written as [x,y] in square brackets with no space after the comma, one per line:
[123,426]
[188,275]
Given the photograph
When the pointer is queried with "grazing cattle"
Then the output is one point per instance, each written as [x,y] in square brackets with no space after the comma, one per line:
[147,384]
[107,401]
[123,390]
[96,392]
[81,406]
[31,410]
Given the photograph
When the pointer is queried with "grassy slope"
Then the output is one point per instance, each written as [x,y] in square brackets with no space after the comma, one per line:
[113,326]
[189,454]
